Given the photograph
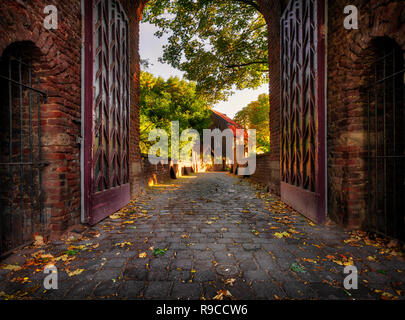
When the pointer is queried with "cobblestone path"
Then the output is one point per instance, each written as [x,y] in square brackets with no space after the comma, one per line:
[199,235]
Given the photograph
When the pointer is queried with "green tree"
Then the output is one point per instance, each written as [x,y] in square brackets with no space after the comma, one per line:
[256,116]
[172,100]
[219,44]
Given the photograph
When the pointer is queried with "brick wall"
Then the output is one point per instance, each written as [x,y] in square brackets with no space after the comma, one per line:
[263,169]
[58,63]
[153,174]
[134,12]
[271,11]
[350,53]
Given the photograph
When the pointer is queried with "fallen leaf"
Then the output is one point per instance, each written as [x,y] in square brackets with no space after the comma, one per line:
[143,255]
[39,241]
[230,281]
[309,260]
[282,234]
[11,267]
[159,252]
[297,268]
[221,294]
[123,244]
[388,296]
[74,273]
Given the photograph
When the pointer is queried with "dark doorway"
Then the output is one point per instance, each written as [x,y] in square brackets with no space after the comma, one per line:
[20,147]
[386,140]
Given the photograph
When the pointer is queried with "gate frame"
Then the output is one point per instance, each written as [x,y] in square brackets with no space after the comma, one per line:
[96,206]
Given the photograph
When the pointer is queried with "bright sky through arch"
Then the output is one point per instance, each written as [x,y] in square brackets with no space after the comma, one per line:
[151,48]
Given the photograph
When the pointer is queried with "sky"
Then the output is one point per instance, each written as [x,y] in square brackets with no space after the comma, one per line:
[151,48]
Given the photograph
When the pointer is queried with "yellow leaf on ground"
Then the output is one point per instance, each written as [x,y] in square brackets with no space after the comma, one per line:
[115,216]
[39,241]
[123,244]
[230,281]
[143,255]
[309,260]
[64,257]
[282,234]
[11,267]
[388,296]
[74,273]
[221,294]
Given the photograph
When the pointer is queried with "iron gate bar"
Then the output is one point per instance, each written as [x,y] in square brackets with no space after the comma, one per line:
[11,169]
[26,87]
[17,238]
[41,216]
[38,164]
[21,154]
[31,157]
[390,227]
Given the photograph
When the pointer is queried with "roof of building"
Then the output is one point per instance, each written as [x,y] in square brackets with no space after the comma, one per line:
[231,124]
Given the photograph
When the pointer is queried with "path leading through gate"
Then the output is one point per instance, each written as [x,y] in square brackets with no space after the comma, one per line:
[203,233]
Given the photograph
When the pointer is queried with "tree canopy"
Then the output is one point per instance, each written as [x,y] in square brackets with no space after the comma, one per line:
[256,116]
[220,45]
[163,101]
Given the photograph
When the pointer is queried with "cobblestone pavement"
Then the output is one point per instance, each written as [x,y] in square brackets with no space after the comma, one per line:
[202,234]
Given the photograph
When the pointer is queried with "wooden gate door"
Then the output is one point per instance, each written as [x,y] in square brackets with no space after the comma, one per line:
[106,133]
[303,158]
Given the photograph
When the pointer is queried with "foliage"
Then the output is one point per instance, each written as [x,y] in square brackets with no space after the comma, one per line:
[219,44]
[256,116]
[172,100]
